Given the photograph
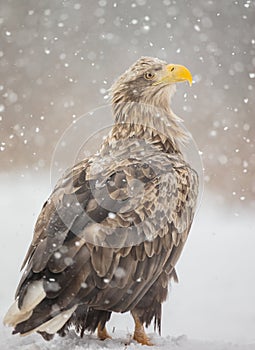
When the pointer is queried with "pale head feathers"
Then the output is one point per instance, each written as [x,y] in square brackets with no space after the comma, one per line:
[138,99]
[137,84]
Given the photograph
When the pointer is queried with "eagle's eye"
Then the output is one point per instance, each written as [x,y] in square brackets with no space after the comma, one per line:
[149,75]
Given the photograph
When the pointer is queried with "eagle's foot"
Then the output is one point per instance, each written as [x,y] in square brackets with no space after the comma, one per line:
[139,334]
[142,338]
[102,333]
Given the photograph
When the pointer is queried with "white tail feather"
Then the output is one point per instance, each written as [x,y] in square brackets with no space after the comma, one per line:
[15,315]
[34,295]
[55,324]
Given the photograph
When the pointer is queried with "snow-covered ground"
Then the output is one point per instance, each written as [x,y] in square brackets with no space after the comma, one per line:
[72,342]
[213,303]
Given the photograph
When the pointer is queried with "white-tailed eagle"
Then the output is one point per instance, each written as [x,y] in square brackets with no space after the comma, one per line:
[109,236]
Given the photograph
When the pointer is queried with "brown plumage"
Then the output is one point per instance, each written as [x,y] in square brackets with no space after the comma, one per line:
[109,236]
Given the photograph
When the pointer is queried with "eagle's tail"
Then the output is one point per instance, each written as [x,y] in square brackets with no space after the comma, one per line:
[18,317]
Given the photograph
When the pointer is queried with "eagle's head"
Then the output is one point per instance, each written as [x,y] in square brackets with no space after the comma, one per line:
[149,80]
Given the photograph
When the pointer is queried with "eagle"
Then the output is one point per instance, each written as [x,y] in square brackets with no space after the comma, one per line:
[110,234]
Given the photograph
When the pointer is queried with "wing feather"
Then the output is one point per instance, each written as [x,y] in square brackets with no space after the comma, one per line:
[101,259]
[109,230]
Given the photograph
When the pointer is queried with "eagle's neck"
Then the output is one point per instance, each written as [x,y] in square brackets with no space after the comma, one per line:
[158,126]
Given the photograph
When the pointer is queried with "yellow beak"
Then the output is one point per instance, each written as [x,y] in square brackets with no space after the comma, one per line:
[175,74]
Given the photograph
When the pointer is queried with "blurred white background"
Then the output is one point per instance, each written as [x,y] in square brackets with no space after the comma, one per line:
[57,61]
